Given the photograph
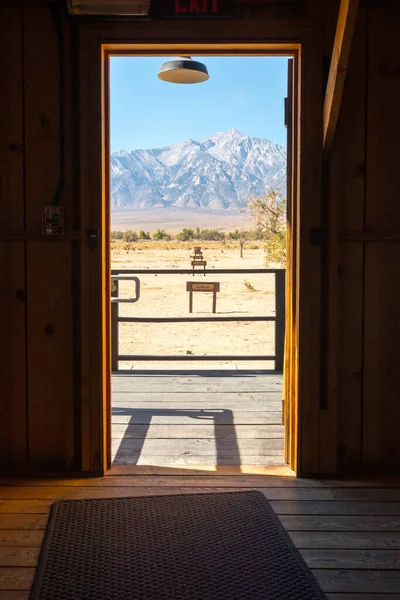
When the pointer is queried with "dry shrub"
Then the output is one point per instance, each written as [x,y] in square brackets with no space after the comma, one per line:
[249,286]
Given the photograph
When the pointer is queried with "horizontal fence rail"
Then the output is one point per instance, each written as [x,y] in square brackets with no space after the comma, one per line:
[134,275]
[189,271]
[189,319]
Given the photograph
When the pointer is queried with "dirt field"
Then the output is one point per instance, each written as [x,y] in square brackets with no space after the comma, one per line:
[173,219]
[166,295]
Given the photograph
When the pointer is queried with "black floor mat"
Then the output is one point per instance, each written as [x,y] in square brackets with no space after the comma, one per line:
[213,546]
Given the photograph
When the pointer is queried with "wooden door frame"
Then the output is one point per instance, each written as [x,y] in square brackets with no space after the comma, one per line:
[96,44]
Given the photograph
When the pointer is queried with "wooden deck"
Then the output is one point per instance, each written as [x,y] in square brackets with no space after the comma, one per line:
[348,532]
[210,418]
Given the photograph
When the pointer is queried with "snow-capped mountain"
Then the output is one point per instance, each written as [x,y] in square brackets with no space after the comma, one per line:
[220,172]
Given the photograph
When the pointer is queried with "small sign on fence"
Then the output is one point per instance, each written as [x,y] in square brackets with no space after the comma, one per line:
[210,286]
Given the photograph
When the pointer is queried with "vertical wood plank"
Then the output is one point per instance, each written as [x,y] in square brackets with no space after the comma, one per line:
[381,442]
[11,121]
[84,106]
[347,193]
[287,365]
[105,457]
[309,257]
[94,289]
[12,254]
[72,201]
[292,434]
[381,446]
[49,277]
[329,210]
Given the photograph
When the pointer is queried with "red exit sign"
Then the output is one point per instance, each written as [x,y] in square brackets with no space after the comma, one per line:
[186,9]
[205,7]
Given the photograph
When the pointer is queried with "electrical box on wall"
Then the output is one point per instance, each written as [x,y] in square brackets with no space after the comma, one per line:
[109,7]
[53,220]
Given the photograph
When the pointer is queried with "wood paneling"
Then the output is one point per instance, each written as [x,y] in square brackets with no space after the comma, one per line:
[347,186]
[308,266]
[49,279]
[365,185]
[12,254]
[51,363]
[381,447]
[92,264]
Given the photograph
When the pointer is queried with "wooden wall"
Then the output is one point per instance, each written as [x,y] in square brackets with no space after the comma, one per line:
[36,288]
[365,227]
[43,375]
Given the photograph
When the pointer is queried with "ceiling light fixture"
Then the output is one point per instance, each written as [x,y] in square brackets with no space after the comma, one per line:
[183,70]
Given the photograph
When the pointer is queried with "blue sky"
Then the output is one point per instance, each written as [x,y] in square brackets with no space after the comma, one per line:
[243,92]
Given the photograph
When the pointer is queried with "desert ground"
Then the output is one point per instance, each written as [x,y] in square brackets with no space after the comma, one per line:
[165,295]
[172,219]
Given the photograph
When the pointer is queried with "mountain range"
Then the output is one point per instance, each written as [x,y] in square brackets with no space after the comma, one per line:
[218,173]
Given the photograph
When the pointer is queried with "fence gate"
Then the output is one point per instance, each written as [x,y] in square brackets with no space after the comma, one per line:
[134,275]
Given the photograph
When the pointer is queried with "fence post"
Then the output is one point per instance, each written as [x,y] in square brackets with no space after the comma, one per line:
[280,318]
[114,325]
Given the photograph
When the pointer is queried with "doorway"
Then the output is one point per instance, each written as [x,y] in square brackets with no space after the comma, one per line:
[143,418]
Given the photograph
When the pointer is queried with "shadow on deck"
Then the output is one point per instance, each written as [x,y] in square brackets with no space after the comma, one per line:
[201,418]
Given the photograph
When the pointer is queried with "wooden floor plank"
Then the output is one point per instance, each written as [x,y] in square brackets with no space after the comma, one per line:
[200,447]
[346,539]
[340,523]
[23,521]
[64,492]
[372,494]
[37,507]
[198,460]
[275,473]
[349,581]
[352,559]
[25,506]
[336,508]
[124,416]
[207,408]
[221,393]
[202,431]
[22,538]
[220,387]
[348,490]
[132,384]
[13,595]
[297,500]
[16,578]
[19,557]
